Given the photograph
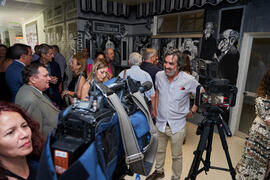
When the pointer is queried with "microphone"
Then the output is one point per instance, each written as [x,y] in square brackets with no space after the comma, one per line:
[117,86]
[147,85]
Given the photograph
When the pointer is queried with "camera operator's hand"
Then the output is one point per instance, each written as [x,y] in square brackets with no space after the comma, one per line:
[193,110]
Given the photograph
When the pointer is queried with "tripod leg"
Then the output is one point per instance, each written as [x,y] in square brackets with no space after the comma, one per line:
[226,150]
[207,162]
[193,172]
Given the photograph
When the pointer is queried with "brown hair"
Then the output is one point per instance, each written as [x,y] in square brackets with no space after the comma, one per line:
[81,61]
[264,87]
[37,139]
[97,65]
[187,68]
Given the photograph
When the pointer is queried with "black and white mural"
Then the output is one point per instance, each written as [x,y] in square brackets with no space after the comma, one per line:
[228,55]
[209,43]
[98,35]
[141,42]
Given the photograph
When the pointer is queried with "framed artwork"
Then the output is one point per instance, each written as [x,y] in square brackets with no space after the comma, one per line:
[31,34]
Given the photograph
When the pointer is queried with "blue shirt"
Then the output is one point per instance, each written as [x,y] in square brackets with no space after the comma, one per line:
[89,61]
[173,100]
[139,75]
[14,77]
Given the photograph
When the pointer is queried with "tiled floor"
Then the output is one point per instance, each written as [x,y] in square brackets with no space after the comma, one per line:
[217,156]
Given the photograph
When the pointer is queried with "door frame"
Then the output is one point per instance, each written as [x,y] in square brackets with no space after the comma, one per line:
[246,47]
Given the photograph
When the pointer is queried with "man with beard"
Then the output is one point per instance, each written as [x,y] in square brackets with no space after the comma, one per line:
[171,108]
[31,97]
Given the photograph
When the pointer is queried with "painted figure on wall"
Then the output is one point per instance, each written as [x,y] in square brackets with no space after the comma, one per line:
[141,43]
[228,56]
[189,45]
[209,43]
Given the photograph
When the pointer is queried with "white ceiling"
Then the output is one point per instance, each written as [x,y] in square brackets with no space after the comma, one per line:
[16,12]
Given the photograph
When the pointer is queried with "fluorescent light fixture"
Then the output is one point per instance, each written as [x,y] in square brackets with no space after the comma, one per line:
[2,2]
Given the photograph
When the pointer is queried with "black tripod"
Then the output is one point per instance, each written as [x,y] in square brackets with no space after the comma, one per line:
[206,130]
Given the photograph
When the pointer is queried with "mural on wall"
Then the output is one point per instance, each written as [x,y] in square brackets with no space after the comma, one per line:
[209,43]
[228,56]
[141,42]
[225,54]
[61,26]
[31,34]
[166,44]
[97,36]
[64,35]
[72,36]
[191,45]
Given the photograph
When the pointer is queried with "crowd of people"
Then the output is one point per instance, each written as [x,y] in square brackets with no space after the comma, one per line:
[36,87]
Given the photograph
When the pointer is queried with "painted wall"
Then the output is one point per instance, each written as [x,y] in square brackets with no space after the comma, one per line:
[257,16]
[40,28]
[60,27]
[15,35]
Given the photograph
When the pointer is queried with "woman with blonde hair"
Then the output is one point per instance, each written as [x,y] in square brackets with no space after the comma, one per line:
[99,70]
[79,69]
[254,163]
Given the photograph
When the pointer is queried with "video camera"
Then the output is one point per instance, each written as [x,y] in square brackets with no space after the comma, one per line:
[78,125]
[218,92]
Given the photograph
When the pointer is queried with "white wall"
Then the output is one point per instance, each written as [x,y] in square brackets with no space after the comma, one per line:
[13,33]
[40,28]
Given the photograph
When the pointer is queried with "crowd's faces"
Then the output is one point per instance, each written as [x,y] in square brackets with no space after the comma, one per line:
[28,57]
[54,52]
[101,74]
[41,80]
[170,65]
[85,53]
[3,51]
[15,136]
[100,56]
[74,65]
[48,56]
[110,55]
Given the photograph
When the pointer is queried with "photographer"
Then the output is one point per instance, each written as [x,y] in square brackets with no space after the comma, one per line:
[172,107]
[255,159]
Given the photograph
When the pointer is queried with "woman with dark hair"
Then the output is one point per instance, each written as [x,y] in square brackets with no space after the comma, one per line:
[99,56]
[255,163]
[5,61]
[20,143]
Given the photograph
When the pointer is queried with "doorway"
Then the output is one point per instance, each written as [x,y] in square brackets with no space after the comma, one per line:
[254,62]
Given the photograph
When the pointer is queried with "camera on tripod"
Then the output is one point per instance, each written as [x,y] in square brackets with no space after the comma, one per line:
[219,96]
[218,92]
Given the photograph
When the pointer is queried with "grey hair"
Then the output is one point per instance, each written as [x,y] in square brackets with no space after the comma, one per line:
[135,59]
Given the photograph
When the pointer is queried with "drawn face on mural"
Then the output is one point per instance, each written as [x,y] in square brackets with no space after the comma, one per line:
[188,44]
[208,29]
[226,41]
